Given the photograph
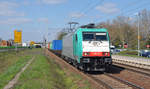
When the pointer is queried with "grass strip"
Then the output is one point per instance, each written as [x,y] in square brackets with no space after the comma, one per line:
[44,73]
[10,73]
[9,58]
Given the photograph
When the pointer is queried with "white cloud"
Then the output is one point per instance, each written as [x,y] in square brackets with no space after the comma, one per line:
[76,15]
[52,1]
[7,4]
[8,9]
[45,20]
[108,8]
[15,21]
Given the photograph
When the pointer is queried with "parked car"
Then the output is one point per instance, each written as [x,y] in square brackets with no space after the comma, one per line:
[38,46]
[145,53]
[115,51]
[112,50]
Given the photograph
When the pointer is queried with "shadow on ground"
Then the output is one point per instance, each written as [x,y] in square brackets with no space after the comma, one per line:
[114,69]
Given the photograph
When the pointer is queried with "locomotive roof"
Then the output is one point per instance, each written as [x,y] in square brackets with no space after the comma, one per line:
[92,29]
[87,30]
[69,34]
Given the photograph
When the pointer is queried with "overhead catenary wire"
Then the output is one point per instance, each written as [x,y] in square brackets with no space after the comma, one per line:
[89,7]
[124,13]
[98,3]
[84,9]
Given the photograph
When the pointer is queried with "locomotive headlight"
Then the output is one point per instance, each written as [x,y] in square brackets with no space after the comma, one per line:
[106,53]
[86,53]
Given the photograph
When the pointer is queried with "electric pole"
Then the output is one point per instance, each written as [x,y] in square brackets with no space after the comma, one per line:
[138,34]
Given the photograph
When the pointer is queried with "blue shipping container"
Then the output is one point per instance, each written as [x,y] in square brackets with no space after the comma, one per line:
[57,45]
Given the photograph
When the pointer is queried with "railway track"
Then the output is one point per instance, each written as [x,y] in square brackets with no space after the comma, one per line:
[135,76]
[134,86]
[145,72]
[103,80]
[113,82]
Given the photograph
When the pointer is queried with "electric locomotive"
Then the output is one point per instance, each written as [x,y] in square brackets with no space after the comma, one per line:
[88,48]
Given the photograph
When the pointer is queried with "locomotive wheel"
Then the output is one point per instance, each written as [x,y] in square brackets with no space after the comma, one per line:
[76,65]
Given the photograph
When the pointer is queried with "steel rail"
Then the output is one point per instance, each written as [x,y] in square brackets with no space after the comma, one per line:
[127,67]
[124,81]
[100,81]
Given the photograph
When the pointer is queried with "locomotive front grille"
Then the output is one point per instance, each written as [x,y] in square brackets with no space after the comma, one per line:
[94,61]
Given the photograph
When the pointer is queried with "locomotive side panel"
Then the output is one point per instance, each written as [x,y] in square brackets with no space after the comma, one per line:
[68,46]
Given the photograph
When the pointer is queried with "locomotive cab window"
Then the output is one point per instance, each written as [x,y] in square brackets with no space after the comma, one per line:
[88,36]
[94,36]
[101,36]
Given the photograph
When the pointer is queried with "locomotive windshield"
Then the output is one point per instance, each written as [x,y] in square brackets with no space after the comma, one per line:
[94,36]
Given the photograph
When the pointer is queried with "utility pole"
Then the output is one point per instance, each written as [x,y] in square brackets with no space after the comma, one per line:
[138,34]
[16,46]
[44,41]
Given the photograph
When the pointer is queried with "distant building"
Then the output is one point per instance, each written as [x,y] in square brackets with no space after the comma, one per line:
[5,43]
[11,42]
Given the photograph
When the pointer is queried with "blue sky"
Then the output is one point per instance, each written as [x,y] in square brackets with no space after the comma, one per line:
[37,18]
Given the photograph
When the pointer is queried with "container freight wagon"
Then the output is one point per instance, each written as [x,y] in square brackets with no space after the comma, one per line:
[88,49]
[50,46]
[57,46]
